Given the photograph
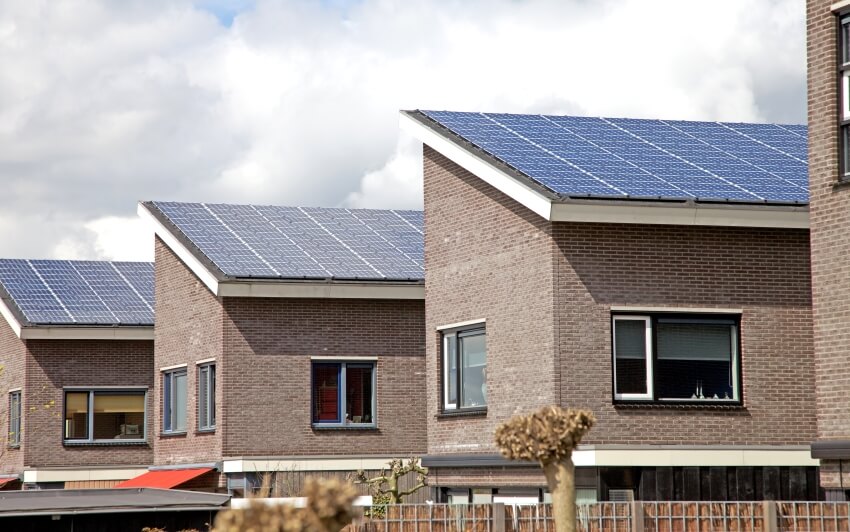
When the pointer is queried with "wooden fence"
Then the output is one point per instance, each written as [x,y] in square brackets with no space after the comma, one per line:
[765,516]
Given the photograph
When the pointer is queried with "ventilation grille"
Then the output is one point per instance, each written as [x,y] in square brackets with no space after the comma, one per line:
[621,495]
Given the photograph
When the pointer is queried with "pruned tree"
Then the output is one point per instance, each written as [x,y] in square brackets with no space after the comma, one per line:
[328,509]
[385,487]
[549,437]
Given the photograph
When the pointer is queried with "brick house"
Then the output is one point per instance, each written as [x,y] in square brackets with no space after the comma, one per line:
[76,366]
[654,272]
[828,48]
[288,341]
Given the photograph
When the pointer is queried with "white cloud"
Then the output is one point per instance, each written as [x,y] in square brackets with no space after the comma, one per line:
[106,103]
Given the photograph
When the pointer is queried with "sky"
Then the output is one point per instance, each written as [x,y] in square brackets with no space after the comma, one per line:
[106,103]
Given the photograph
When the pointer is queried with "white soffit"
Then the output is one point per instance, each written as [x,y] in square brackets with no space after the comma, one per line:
[250,465]
[10,318]
[601,211]
[32,476]
[86,333]
[741,456]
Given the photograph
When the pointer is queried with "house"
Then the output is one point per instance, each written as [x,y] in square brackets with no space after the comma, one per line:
[829,141]
[655,272]
[76,366]
[288,341]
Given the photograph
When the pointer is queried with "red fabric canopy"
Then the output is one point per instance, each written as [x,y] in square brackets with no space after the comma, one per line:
[166,478]
[4,481]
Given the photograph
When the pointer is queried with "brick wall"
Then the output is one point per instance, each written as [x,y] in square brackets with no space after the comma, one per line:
[12,355]
[188,329]
[534,282]
[54,364]
[829,215]
[268,345]
[486,256]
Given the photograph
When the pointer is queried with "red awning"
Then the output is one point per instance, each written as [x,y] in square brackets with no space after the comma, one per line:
[166,478]
[4,481]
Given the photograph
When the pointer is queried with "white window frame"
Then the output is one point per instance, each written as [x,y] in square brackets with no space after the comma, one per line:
[15,418]
[650,393]
[447,335]
[168,405]
[208,424]
[342,403]
[92,391]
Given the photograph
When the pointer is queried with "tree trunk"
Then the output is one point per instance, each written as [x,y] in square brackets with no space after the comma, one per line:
[561,478]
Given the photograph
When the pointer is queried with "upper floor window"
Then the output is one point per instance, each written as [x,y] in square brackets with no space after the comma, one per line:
[844,103]
[174,400]
[104,415]
[676,357]
[464,368]
[206,397]
[15,419]
[344,393]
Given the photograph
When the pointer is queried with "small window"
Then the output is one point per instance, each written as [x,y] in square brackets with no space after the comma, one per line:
[104,415]
[174,401]
[344,394]
[464,369]
[844,96]
[15,419]
[206,397]
[671,357]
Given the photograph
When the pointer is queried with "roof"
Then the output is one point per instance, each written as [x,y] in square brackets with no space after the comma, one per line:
[568,157]
[251,242]
[166,478]
[77,293]
[87,501]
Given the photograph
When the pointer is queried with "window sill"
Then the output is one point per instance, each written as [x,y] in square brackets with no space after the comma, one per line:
[841,183]
[105,443]
[173,434]
[723,407]
[469,412]
[205,431]
[13,447]
[345,427]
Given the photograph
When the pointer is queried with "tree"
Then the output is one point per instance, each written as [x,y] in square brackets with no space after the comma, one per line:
[385,487]
[549,437]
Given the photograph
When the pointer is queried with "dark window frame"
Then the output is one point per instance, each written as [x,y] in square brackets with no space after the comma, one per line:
[15,419]
[91,393]
[843,115]
[652,377]
[168,412]
[207,377]
[342,405]
[446,407]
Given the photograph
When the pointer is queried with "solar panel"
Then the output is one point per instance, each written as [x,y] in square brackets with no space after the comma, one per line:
[263,241]
[80,292]
[641,159]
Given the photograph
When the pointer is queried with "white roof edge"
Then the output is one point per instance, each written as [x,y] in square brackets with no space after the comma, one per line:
[839,6]
[624,211]
[330,290]
[10,318]
[497,178]
[142,332]
[182,252]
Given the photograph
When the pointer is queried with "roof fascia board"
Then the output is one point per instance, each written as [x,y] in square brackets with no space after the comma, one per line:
[182,252]
[31,476]
[10,318]
[495,177]
[87,333]
[690,214]
[252,465]
[322,290]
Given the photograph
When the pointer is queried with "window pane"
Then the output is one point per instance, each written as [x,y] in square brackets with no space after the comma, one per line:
[166,402]
[326,393]
[15,418]
[212,396]
[845,40]
[845,147]
[358,393]
[119,416]
[76,415]
[695,360]
[179,402]
[630,356]
[473,359]
[203,397]
[451,370]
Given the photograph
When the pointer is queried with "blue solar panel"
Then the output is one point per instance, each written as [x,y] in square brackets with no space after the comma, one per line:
[265,241]
[637,158]
[79,292]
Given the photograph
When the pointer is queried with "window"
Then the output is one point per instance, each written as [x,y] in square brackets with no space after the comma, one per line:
[15,419]
[344,393]
[206,397]
[844,95]
[464,369]
[676,357]
[104,415]
[174,401]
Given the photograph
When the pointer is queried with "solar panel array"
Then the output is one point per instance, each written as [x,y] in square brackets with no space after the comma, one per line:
[261,241]
[644,159]
[80,292]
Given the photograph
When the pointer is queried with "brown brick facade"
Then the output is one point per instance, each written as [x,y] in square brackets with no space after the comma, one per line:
[12,360]
[546,291]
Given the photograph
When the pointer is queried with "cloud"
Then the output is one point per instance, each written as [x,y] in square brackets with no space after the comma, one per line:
[106,103]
